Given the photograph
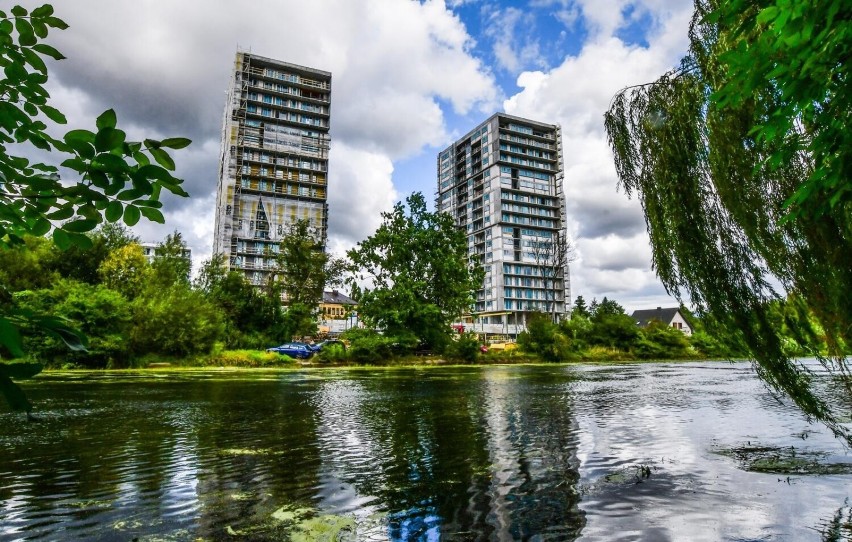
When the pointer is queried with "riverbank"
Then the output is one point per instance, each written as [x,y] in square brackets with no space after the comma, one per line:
[254,359]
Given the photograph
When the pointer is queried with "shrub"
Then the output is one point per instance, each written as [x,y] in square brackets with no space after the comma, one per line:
[333,353]
[465,347]
[247,358]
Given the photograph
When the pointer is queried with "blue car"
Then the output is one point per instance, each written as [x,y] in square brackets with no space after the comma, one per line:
[294,350]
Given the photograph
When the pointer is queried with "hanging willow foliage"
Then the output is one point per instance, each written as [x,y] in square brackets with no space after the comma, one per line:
[718,188]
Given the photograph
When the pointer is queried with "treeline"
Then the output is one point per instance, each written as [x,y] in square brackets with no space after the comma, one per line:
[130,309]
[603,331]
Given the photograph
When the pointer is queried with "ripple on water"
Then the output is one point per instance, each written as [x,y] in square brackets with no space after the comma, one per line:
[498,453]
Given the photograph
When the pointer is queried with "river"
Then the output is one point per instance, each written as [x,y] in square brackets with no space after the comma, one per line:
[664,451]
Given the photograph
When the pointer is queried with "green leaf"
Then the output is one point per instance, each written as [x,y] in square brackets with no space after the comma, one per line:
[40,227]
[47,50]
[79,135]
[131,215]
[55,22]
[53,114]
[154,215]
[73,339]
[163,158]
[113,210]
[14,395]
[34,60]
[20,371]
[767,14]
[130,195]
[18,11]
[80,226]
[61,239]
[176,142]
[10,337]
[39,28]
[106,120]
[108,139]
[44,11]
[26,36]
[62,213]
[80,240]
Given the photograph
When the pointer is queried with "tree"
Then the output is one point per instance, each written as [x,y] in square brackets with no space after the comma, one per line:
[175,321]
[552,256]
[300,266]
[741,159]
[580,308]
[251,318]
[82,263]
[126,270]
[25,266]
[171,265]
[607,307]
[420,278]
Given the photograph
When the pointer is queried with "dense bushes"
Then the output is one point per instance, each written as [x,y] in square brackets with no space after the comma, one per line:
[603,332]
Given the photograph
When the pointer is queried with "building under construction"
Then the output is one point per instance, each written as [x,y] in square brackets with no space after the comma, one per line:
[273,167]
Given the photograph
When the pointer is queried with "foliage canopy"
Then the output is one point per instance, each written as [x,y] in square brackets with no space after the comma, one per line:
[741,160]
[420,277]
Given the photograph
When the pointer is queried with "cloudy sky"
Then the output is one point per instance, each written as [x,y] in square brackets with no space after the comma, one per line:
[408,78]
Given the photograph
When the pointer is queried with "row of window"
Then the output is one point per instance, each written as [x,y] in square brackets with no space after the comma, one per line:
[526,150]
[527,130]
[286,89]
[525,141]
[528,221]
[526,198]
[289,161]
[287,115]
[293,78]
[285,174]
[531,233]
[284,102]
[527,173]
[515,208]
[524,161]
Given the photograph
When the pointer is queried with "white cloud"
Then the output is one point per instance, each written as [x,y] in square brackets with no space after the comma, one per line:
[609,229]
[514,37]
[360,188]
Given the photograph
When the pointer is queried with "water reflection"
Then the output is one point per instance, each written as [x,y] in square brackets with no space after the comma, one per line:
[500,453]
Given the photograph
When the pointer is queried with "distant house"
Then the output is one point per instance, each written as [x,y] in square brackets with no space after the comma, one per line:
[336,306]
[671,317]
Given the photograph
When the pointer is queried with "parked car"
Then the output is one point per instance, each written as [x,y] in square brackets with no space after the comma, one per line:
[294,350]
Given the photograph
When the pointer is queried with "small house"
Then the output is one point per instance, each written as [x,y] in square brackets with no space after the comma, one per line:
[669,316]
[336,306]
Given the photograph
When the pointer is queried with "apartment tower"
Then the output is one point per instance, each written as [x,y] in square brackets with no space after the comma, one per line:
[502,182]
[273,167]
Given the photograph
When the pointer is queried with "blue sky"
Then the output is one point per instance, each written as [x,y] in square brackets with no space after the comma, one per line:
[408,78]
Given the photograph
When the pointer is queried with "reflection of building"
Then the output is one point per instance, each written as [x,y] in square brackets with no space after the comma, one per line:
[670,317]
[502,182]
[274,160]
[150,251]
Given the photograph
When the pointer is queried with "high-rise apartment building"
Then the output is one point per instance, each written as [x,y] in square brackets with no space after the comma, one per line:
[274,160]
[502,182]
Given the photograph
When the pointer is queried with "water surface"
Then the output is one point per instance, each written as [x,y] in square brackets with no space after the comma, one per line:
[628,452]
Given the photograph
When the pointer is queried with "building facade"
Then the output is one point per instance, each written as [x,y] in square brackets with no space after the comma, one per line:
[502,182]
[274,160]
